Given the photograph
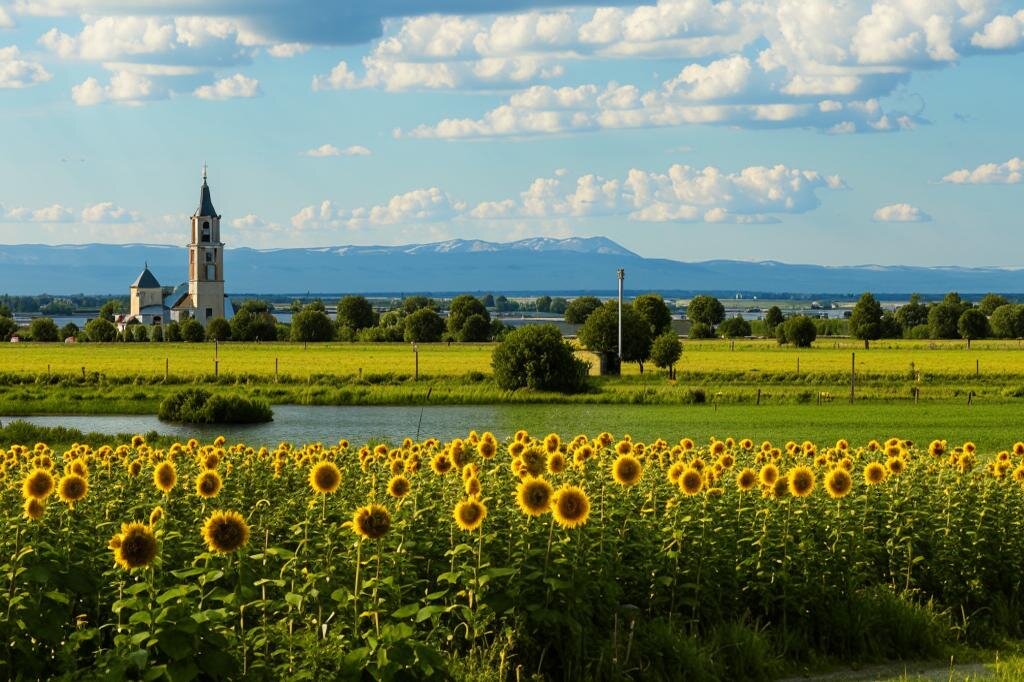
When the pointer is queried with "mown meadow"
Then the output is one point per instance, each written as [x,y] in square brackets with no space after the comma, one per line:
[564,557]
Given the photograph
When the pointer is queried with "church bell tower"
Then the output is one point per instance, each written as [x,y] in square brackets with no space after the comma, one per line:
[206,260]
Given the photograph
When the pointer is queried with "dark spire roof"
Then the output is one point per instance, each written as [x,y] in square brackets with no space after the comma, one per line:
[146,280]
[205,203]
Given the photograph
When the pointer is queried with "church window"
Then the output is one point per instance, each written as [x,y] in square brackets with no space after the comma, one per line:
[209,313]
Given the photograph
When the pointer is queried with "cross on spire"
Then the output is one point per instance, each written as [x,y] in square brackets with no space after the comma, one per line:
[204,171]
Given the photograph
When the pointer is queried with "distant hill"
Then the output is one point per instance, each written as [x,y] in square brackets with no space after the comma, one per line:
[529,265]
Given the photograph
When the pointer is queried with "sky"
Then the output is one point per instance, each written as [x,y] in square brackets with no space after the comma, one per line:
[813,131]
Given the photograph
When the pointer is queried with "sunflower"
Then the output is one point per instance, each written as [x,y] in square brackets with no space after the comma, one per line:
[691,481]
[896,465]
[156,515]
[225,532]
[488,446]
[472,486]
[552,442]
[165,476]
[371,521]
[399,486]
[441,464]
[138,441]
[535,460]
[72,488]
[534,496]
[838,482]
[79,467]
[571,506]
[769,474]
[469,514]
[1018,449]
[134,546]
[626,470]
[324,478]
[1018,474]
[34,508]
[208,484]
[801,481]
[874,473]
[780,488]
[687,444]
[675,472]
[746,479]
[38,485]
[582,454]
[556,463]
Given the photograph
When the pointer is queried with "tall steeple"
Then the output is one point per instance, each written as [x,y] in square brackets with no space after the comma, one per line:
[206,259]
[206,208]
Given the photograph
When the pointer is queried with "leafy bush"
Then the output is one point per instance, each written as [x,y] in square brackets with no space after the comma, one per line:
[699,330]
[199,406]
[43,329]
[218,329]
[799,331]
[537,357]
[423,325]
[100,330]
[734,328]
[192,331]
[579,309]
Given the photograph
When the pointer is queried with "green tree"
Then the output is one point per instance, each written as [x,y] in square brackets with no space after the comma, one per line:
[543,304]
[488,301]
[192,331]
[172,333]
[43,329]
[866,320]
[110,309]
[699,330]
[156,333]
[312,324]
[139,332]
[423,326]
[653,309]
[943,317]
[579,309]
[537,357]
[706,309]
[989,304]
[773,318]
[254,321]
[973,325]
[218,329]
[461,309]
[476,328]
[734,328]
[912,314]
[666,351]
[356,313]
[8,327]
[70,330]
[558,305]
[100,329]
[1007,321]
[799,331]
[600,333]
[5,310]
[411,304]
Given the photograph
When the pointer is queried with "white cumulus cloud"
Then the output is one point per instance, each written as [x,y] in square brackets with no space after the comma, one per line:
[229,88]
[327,150]
[16,72]
[107,212]
[901,213]
[124,87]
[1009,173]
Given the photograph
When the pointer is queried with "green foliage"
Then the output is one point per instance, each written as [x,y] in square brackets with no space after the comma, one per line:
[600,332]
[423,325]
[110,309]
[460,311]
[773,318]
[199,406]
[699,330]
[559,305]
[1008,321]
[866,320]
[799,331]
[218,329]
[192,331]
[356,313]
[413,303]
[543,304]
[156,333]
[172,333]
[536,357]
[44,329]
[254,321]
[734,328]
[312,324]
[913,314]
[653,309]
[100,329]
[139,332]
[706,310]
[666,351]
[69,330]
[991,302]
[579,309]
[973,325]
[8,327]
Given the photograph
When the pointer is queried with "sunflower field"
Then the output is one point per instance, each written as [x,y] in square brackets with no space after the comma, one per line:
[592,557]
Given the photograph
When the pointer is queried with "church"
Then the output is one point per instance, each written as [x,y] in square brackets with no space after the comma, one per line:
[202,298]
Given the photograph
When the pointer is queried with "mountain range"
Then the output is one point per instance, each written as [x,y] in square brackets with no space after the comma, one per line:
[546,265]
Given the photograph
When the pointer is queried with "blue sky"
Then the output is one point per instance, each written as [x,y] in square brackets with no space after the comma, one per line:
[794,130]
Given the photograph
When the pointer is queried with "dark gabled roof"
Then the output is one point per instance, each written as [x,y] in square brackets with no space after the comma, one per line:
[206,208]
[146,280]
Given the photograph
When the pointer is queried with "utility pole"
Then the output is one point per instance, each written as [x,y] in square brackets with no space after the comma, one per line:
[622,276]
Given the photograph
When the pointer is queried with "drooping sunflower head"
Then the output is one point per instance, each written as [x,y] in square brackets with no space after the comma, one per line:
[79,467]
[746,480]
[552,442]
[874,473]
[208,484]
[324,477]
[571,506]
[371,522]
[38,484]
[896,465]
[717,447]
[469,514]
[165,475]
[34,508]
[626,470]
[534,496]
[138,441]
[582,454]
[691,482]
[156,515]
[801,481]
[399,486]
[780,488]
[838,483]
[225,532]
[675,472]
[472,486]
[556,463]
[535,460]
[134,547]
[72,488]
